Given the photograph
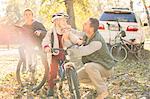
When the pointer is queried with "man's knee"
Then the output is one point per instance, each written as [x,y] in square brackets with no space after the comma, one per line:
[89,67]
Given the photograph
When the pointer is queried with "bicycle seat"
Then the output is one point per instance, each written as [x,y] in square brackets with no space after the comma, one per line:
[123,33]
[132,40]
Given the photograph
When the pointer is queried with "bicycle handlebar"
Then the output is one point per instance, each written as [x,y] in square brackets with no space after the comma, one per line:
[119,25]
[63,49]
[58,49]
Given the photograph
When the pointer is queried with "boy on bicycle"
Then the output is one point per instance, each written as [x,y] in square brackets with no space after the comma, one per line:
[59,36]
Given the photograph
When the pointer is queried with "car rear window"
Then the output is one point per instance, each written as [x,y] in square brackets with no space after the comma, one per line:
[122,17]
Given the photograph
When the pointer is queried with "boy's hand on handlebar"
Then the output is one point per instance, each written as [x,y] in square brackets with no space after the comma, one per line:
[37,32]
[47,49]
[66,36]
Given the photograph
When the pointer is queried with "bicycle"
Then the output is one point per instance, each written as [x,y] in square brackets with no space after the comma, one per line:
[122,47]
[67,73]
[32,77]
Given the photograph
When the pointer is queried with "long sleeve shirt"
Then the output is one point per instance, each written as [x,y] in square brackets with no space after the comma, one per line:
[86,50]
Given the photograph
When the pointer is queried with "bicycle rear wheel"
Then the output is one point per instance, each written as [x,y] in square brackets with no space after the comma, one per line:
[118,52]
[140,54]
[73,83]
[32,80]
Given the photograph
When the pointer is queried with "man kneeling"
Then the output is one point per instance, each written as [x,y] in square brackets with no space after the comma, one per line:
[98,63]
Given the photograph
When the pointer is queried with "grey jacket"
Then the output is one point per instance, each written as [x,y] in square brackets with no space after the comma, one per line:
[73,37]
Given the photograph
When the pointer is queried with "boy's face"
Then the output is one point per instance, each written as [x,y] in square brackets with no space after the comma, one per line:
[28,16]
[61,22]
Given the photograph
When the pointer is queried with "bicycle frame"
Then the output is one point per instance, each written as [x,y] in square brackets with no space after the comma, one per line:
[61,70]
[62,64]
[130,45]
[22,60]
[126,46]
[67,72]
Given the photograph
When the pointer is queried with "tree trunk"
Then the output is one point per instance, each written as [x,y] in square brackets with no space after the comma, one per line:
[70,12]
[146,10]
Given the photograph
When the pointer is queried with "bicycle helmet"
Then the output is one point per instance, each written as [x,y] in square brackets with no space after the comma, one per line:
[59,15]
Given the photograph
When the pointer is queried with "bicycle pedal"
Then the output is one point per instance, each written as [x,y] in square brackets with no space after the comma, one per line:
[24,91]
[51,97]
[89,95]
[55,97]
[56,80]
[86,95]
[60,87]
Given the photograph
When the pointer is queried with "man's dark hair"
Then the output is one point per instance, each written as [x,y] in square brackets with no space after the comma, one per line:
[28,10]
[94,23]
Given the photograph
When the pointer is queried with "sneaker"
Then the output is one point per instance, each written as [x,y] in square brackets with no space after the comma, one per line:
[103,95]
[50,92]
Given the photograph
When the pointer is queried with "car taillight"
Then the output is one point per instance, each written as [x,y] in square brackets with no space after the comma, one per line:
[132,28]
[101,27]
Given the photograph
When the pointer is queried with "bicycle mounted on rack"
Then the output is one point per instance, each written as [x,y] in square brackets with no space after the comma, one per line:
[122,47]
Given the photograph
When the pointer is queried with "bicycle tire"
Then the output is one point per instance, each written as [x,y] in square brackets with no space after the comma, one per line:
[140,54]
[73,83]
[37,87]
[18,72]
[44,77]
[119,52]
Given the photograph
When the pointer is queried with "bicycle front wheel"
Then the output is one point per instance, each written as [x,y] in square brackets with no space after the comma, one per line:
[118,52]
[73,83]
[29,79]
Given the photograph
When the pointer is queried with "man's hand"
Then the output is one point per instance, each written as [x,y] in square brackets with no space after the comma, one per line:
[47,49]
[37,32]
[66,36]
[65,32]
[66,28]
[79,42]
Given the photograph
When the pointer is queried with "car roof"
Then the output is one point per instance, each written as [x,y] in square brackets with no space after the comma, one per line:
[119,10]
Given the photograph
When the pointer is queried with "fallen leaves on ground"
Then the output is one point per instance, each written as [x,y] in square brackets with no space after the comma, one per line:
[131,80]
